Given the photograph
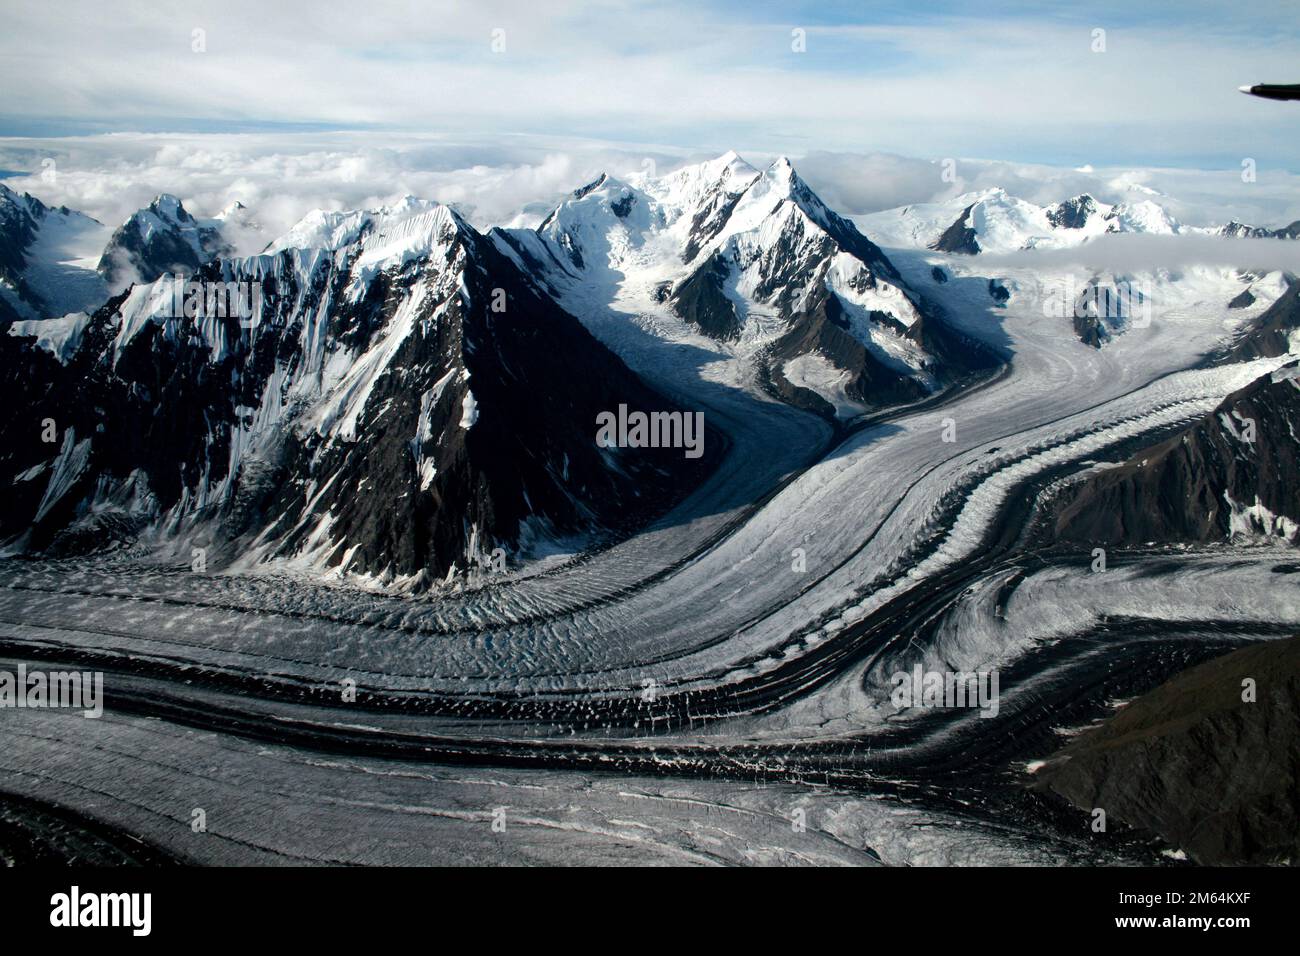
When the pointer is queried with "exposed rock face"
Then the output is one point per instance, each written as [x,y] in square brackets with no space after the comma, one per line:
[959,237]
[1072,213]
[156,240]
[39,246]
[18,225]
[400,400]
[835,293]
[701,299]
[1104,309]
[1239,230]
[1270,333]
[1207,483]
[1091,330]
[994,221]
[1214,775]
[756,260]
[1242,300]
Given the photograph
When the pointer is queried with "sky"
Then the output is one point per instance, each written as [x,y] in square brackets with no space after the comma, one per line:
[499,105]
[1014,81]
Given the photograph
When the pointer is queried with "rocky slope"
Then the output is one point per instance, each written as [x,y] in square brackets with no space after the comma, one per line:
[1214,775]
[1270,333]
[46,264]
[161,238]
[1235,473]
[755,260]
[398,400]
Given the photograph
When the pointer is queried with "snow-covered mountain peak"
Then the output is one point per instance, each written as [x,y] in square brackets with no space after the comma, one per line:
[47,258]
[993,220]
[781,182]
[686,188]
[170,208]
[776,202]
[162,237]
[410,224]
[781,169]
[235,210]
[695,201]
[11,201]
[1144,215]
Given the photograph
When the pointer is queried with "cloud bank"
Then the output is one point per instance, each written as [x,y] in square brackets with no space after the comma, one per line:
[1127,253]
[516,181]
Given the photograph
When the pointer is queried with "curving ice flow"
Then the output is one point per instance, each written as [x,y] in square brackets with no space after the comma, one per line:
[681,694]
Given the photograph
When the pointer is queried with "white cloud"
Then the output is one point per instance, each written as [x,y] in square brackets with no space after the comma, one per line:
[690,74]
[1123,254]
[517,180]
[281,177]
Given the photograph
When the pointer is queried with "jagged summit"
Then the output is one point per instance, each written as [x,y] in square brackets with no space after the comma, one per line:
[163,237]
[1072,213]
[993,220]
[46,259]
[368,415]
[752,257]
[400,400]
[392,233]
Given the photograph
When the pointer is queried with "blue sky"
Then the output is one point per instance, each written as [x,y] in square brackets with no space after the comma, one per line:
[1011,80]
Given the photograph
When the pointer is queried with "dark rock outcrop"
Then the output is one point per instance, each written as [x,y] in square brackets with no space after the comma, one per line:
[959,237]
[1269,334]
[161,238]
[36,286]
[1242,300]
[1213,774]
[1239,230]
[1091,330]
[791,275]
[1205,483]
[701,300]
[823,330]
[397,416]
[1072,213]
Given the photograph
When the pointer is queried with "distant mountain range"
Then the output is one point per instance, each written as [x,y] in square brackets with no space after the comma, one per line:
[406,399]
[993,220]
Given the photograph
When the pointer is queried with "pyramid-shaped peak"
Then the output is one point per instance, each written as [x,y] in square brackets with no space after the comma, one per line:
[165,204]
[781,179]
[782,169]
[730,160]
